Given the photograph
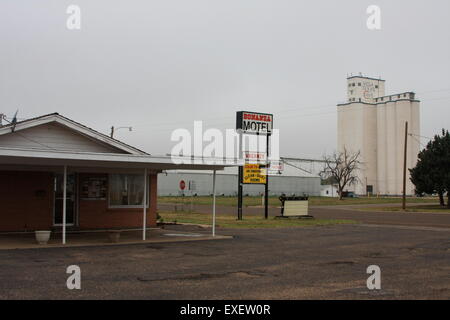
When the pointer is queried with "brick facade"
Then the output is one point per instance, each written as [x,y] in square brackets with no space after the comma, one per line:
[26,200]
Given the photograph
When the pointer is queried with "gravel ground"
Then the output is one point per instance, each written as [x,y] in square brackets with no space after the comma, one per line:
[298,263]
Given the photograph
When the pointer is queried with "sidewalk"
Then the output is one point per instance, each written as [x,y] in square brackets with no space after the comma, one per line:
[9,241]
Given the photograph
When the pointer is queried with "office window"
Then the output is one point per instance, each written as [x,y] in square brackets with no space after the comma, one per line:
[126,190]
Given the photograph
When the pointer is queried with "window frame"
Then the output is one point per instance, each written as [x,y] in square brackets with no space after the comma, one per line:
[133,206]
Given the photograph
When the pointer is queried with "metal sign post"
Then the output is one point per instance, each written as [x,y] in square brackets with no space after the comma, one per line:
[240,177]
[266,187]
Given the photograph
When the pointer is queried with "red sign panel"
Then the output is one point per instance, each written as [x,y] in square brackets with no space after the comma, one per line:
[255,123]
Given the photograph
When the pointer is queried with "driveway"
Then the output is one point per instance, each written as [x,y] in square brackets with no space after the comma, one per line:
[293,263]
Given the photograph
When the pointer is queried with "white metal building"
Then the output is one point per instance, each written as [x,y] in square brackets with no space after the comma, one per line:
[374,124]
[299,177]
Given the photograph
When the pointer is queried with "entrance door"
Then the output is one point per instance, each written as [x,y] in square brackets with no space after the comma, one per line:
[71,197]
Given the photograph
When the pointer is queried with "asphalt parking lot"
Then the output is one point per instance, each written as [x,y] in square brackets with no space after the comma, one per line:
[299,263]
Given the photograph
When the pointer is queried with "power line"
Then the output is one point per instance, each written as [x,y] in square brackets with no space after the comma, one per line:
[29,139]
[420,143]
[417,135]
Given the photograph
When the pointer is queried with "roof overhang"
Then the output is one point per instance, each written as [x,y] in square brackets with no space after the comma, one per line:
[36,157]
[73,125]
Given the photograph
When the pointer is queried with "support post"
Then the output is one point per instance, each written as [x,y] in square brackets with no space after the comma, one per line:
[404,167]
[64,205]
[266,187]
[144,201]
[240,177]
[214,205]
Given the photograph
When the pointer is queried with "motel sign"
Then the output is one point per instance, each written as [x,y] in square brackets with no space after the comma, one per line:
[254,123]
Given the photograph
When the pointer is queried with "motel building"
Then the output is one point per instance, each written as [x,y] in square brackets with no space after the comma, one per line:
[57,174]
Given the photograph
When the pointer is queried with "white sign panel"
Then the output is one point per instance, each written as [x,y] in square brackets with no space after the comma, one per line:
[254,157]
[275,168]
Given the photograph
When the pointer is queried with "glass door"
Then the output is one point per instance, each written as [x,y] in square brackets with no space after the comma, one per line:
[71,198]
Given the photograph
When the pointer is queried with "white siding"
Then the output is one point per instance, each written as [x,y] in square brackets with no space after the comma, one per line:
[56,137]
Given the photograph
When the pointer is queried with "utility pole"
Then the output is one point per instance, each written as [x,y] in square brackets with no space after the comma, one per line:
[404,167]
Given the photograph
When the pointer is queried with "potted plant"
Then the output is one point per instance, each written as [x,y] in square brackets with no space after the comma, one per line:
[42,236]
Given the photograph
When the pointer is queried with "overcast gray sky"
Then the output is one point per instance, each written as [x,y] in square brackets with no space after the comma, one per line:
[160,65]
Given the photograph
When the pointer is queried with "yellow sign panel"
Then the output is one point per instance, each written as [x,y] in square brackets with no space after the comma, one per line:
[253,173]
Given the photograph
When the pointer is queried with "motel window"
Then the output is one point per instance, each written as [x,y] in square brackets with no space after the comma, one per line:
[126,190]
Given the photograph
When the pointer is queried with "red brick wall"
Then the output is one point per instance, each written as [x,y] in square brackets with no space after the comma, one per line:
[26,200]
[95,214]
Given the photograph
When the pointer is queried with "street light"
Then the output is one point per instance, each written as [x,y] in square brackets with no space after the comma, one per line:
[115,129]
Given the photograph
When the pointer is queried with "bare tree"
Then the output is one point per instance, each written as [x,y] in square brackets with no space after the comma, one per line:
[343,168]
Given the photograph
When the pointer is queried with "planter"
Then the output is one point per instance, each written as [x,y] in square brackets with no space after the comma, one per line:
[42,236]
[114,236]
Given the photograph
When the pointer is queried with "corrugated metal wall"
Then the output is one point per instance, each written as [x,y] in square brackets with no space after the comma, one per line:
[226,184]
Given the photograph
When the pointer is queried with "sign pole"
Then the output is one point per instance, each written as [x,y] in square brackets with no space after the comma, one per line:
[240,178]
[266,187]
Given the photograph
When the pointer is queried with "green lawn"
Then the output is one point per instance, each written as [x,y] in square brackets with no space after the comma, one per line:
[273,201]
[227,221]
[418,208]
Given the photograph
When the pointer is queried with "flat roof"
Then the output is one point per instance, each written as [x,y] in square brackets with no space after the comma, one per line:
[364,77]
